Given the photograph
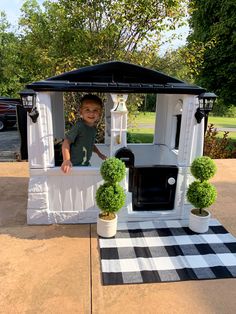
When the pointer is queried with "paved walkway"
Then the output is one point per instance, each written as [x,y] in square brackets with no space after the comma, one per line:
[9,145]
[56,268]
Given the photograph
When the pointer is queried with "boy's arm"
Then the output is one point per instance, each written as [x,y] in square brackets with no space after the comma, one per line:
[66,165]
[97,151]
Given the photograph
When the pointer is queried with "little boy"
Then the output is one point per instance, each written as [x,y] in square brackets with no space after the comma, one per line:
[79,144]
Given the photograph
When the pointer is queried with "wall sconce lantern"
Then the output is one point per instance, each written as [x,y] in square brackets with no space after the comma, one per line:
[206,102]
[28,99]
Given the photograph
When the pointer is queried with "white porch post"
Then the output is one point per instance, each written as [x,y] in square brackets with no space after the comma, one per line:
[40,135]
[190,144]
[119,114]
[41,157]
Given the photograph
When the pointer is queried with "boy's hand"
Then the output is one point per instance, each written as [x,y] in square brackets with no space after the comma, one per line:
[66,166]
[103,157]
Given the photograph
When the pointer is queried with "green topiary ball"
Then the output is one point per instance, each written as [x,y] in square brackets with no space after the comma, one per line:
[203,168]
[110,198]
[201,194]
[113,170]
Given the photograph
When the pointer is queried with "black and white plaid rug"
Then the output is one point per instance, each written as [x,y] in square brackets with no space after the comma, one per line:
[162,251]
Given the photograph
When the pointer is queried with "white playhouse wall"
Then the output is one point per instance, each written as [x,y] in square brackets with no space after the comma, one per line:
[55,197]
[163,152]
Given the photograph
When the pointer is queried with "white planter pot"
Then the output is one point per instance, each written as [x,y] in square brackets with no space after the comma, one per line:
[199,224]
[106,228]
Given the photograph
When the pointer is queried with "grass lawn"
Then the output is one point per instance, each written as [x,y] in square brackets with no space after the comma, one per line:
[145,117]
[145,135]
[141,137]
[223,122]
[231,135]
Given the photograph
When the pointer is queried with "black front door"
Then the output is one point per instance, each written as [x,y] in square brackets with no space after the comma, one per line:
[153,187]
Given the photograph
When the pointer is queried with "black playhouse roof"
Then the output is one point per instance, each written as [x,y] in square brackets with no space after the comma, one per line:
[116,76]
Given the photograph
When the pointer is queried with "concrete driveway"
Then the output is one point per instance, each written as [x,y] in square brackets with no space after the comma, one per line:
[56,268]
[9,145]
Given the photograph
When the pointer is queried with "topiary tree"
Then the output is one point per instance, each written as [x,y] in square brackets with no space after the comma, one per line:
[203,168]
[113,170]
[110,196]
[201,193]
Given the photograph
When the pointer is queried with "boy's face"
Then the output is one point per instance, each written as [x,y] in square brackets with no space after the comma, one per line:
[90,112]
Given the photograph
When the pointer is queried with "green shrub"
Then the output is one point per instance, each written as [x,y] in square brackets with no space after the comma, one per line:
[218,148]
[110,198]
[201,194]
[113,170]
[231,111]
[220,109]
[203,168]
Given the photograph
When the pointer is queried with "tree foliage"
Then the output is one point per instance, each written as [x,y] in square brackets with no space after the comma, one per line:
[9,61]
[213,26]
[70,34]
[177,63]
[63,35]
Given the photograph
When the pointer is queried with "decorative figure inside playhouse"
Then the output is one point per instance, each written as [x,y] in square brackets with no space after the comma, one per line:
[157,173]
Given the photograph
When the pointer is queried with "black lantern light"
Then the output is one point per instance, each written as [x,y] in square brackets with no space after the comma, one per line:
[206,102]
[28,99]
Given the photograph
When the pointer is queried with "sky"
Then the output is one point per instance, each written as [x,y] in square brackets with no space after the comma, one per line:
[12,9]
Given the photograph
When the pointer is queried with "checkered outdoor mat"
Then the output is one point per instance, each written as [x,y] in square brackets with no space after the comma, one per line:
[162,251]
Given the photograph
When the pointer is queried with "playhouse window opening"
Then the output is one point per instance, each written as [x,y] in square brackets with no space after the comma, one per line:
[71,104]
[141,119]
[178,126]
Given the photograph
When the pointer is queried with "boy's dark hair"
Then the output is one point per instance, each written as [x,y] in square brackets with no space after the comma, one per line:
[91,97]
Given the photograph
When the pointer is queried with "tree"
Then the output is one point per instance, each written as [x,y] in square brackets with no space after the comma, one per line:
[70,34]
[66,34]
[213,24]
[9,77]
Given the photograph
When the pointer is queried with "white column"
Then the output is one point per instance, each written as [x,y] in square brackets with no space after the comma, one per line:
[108,107]
[161,118]
[119,115]
[198,141]
[40,135]
[58,117]
[190,143]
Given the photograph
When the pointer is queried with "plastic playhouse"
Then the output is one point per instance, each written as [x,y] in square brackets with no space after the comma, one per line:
[157,173]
